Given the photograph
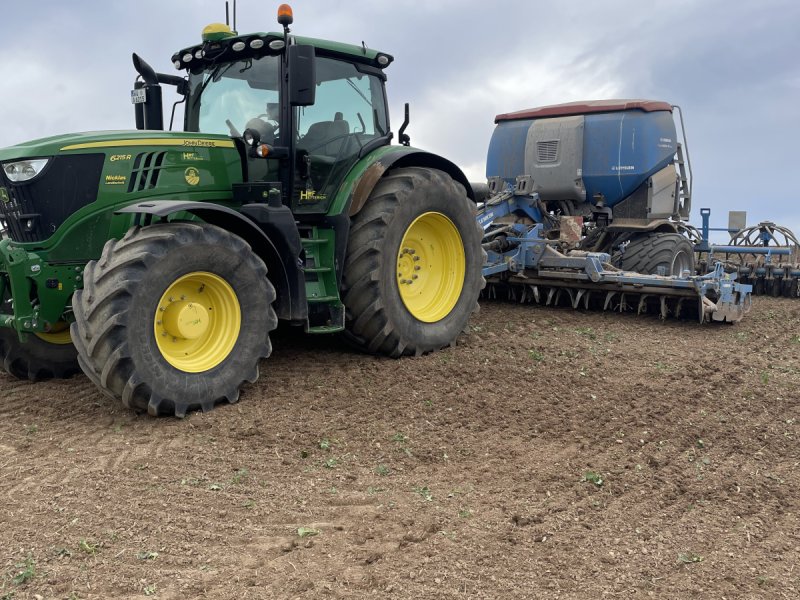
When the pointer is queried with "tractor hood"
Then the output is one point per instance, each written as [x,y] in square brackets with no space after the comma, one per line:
[101,140]
[85,177]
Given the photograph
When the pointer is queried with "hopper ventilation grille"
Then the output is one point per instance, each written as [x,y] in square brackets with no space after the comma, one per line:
[547,152]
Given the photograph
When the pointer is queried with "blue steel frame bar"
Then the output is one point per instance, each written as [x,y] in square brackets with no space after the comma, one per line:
[705,246]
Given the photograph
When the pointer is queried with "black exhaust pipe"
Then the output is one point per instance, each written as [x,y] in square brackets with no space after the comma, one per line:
[150,112]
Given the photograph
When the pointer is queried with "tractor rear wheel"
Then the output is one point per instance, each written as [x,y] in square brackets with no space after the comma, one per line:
[174,317]
[659,254]
[413,269]
[42,356]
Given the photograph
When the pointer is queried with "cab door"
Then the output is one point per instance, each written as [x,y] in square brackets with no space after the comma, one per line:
[349,114]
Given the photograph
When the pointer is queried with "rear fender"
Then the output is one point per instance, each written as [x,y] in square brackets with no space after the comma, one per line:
[369,171]
[643,226]
[279,252]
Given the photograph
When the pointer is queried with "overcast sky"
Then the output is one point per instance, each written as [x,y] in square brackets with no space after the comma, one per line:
[732,66]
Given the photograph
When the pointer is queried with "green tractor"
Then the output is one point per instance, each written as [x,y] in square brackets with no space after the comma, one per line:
[158,262]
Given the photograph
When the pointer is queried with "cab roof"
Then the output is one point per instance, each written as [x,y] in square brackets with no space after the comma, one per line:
[221,50]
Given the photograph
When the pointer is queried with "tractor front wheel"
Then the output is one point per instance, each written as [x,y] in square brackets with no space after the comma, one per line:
[413,269]
[42,356]
[174,317]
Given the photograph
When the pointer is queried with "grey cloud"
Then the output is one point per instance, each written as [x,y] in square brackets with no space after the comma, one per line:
[732,66]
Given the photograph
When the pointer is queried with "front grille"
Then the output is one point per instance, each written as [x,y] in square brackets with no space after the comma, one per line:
[146,169]
[547,151]
[31,211]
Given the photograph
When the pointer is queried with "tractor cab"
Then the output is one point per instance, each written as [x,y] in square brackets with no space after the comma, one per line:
[303,110]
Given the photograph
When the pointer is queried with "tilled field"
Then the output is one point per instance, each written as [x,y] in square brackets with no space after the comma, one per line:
[552,454]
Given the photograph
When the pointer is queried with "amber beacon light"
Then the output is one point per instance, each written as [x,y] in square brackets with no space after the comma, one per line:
[285,16]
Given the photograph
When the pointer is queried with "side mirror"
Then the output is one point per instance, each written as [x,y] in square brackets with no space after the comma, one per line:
[302,75]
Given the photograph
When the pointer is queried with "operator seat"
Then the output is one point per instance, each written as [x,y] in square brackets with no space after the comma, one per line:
[326,137]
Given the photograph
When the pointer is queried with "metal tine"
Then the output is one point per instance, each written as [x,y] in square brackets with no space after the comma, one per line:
[571,294]
[536,293]
[576,300]
[609,297]
[679,308]
[623,306]
[586,298]
[550,293]
[664,311]
[642,304]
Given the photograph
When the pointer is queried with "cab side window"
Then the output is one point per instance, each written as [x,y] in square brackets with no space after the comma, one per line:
[349,112]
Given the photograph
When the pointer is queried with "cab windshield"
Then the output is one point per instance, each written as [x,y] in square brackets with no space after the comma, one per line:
[224,98]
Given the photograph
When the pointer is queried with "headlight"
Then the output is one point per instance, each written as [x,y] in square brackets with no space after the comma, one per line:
[25,169]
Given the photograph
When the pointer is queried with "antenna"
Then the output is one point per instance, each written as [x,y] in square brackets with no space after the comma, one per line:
[227,16]
[234,15]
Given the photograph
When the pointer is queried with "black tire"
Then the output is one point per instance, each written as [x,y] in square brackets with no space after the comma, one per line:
[647,253]
[36,359]
[115,313]
[790,287]
[377,320]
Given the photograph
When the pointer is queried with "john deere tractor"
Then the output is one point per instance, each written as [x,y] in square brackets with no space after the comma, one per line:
[158,262]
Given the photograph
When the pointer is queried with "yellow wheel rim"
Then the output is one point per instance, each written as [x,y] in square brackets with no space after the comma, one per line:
[59,335]
[431,267]
[197,322]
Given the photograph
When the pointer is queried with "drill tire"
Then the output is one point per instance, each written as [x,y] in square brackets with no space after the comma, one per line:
[647,252]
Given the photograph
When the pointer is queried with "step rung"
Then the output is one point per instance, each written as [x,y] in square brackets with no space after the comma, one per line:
[325,329]
[317,299]
[317,269]
[313,241]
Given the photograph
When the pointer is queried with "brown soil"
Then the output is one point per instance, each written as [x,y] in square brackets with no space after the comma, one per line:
[473,472]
